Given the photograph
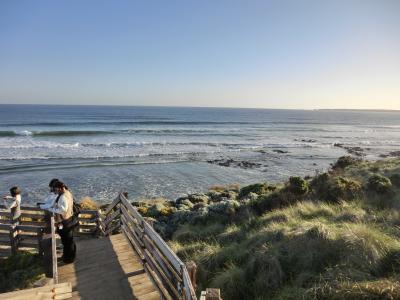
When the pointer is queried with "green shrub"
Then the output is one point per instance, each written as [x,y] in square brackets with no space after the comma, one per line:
[258,188]
[379,184]
[390,263]
[380,289]
[298,186]
[223,209]
[19,271]
[233,283]
[334,189]
[264,273]
[345,161]
[395,179]
[159,209]
[267,202]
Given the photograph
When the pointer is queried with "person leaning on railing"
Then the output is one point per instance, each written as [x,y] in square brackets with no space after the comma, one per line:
[49,201]
[65,221]
[51,197]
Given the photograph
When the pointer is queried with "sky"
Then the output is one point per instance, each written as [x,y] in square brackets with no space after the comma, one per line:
[264,54]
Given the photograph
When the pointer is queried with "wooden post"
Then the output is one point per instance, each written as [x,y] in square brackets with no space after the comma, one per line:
[213,294]
[192,271]
[150,221]
[13,239]
[99,230]
[54,251]
[40,239]
[13,233]
[46,247]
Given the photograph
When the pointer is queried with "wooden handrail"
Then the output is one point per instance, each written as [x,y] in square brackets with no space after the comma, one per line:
[28,230]
[166,269]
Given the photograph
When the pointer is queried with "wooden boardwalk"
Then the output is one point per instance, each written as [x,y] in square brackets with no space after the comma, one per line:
[107,268]
[135,264]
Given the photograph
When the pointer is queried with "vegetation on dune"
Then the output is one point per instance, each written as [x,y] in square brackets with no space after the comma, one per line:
[333,236]
[88,203]
[19,271]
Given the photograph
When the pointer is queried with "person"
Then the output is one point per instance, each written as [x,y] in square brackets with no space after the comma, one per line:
[15,205]
[63,209]
[51,197]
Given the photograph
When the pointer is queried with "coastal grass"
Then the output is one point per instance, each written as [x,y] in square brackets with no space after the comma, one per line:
[305,246]
[20,271]
[334,236]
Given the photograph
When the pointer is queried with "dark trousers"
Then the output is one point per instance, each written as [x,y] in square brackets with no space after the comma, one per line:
[69,247]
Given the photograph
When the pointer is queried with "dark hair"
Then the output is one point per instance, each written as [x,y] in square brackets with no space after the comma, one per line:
[59,185]
[52,182]
[14,191]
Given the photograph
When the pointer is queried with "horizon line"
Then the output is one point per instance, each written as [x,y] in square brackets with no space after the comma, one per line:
[215,107]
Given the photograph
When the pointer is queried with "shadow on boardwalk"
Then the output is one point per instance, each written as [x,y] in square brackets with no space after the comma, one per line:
[107,268]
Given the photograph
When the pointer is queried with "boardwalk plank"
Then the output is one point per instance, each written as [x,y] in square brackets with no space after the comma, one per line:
[108,268]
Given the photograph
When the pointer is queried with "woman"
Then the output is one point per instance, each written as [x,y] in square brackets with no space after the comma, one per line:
[51,197]
[63,208]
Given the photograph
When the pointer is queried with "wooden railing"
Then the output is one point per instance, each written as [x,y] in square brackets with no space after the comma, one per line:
[167,271]
[173,278]
[27,232]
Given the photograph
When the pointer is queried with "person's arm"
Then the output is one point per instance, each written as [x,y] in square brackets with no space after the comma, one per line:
[49,201]
[61,207]
[12,204]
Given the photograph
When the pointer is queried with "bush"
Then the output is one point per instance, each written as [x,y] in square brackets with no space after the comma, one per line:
[390,263]
[395,179]
[379,184]
[258,188]
[233,283]
[298,186]
[380,289]
[158,210]
[345,161]
[88,203]
[264,273]
[334,189]
[224,208]
[19,271]
[198,198]
[267,202]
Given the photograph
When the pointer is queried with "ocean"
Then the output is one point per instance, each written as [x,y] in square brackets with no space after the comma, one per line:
[99,151]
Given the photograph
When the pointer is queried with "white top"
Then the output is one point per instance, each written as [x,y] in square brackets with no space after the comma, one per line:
[49,201]
[15,203]
[64,205]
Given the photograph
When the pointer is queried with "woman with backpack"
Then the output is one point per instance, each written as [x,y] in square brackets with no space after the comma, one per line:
[65,220]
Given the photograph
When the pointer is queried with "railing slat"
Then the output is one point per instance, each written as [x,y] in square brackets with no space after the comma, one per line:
[189,291]
[167,284]
[164,248]
[138,229]
[162,262]
[134,242]
[112,205]
[112,216]
[131,209]
[132,231]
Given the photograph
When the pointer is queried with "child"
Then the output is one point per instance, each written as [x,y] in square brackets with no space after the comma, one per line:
[15,204]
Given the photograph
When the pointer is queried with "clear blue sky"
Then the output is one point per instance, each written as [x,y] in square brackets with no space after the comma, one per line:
[273,54]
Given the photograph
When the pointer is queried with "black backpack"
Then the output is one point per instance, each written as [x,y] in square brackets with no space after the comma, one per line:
[76,208]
